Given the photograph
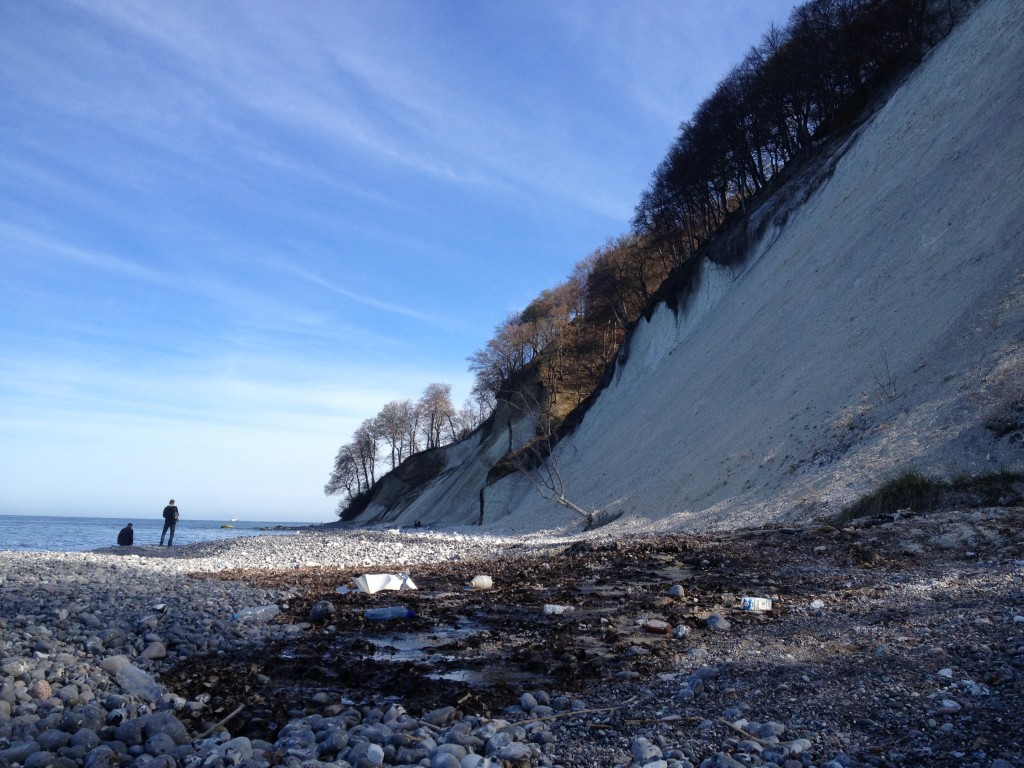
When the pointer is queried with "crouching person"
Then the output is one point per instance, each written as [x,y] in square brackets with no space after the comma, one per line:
[127,536]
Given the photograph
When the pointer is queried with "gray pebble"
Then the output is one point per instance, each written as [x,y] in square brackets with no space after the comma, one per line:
[722,760]
[445,760]
[770,729]
[718,622]
[514,752]
[155,650]
[321,611]
[644,751]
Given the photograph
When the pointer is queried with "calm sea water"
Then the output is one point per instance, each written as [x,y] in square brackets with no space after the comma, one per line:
[80,534]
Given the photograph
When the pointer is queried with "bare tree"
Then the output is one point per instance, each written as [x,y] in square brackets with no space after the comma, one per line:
[801,83]
[437,414]
[505,354]
[366,446]
[393,425]
[345,478]
[540,466]
[537,461]
[623,275]
[414,414]
[474,411]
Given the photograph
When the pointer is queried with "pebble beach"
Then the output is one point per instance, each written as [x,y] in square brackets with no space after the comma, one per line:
[85,636]
[88,641]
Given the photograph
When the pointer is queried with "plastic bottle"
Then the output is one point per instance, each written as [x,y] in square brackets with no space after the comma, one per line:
[481,582]
[391,612]
[135,681]
[258,613]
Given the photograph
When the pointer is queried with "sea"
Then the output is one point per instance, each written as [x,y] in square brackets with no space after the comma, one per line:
[81,534]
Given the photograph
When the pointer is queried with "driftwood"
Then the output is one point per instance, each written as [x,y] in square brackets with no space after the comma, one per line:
[221,723]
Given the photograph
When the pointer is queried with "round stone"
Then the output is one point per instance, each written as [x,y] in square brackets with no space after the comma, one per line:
[39,689]
[718,622]
[321,611]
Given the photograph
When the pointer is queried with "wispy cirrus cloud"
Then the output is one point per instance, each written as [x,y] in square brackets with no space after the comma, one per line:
[24,243]
[311,277]
[363,90]
[221,215]
[289,73]
[203,283]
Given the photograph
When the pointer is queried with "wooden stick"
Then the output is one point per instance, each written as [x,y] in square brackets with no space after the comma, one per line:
[221,723]
[751,736]
[668,719]
[570,713]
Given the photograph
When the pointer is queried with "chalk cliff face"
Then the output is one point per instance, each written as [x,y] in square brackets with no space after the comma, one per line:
[875,324]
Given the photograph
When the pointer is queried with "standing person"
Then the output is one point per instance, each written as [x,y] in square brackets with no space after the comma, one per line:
[127,536]
[170,520]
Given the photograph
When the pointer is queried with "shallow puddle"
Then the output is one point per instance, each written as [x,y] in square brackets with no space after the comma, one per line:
[477,650]
[419,647]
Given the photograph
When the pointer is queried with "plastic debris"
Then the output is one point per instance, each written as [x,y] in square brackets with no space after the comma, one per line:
[258,613]
[557,609]
[756,603]
[390,612]
[376,582]
[137,682]
[481,582]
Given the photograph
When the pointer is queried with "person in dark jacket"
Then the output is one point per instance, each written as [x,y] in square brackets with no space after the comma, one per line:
[127,536]
[170,520]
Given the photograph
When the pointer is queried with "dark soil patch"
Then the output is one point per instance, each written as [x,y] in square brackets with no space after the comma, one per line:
[864,618]
[474,649]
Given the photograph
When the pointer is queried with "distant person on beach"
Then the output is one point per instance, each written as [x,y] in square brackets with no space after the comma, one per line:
[170,520]
[127,536]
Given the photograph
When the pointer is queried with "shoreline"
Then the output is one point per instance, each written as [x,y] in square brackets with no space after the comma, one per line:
[111,659]
[328,548]
[94,633]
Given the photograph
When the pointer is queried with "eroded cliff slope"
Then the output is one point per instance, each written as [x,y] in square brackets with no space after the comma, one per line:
[875,324]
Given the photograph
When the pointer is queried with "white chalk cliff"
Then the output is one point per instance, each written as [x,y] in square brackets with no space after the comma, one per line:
[876,324]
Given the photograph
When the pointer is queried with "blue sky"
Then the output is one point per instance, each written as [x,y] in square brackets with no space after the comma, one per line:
[231,231]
